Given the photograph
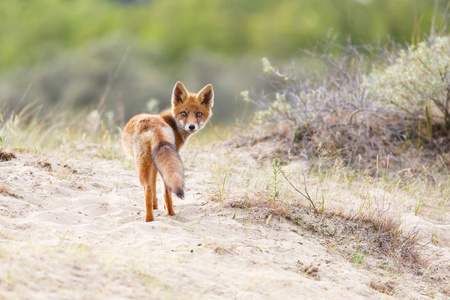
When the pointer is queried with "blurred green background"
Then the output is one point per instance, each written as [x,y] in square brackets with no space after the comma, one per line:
[118,55]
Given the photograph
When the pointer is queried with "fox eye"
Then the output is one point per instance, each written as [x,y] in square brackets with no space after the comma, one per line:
[184,114]
[199,114]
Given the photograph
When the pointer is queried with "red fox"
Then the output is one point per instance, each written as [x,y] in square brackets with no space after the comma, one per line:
[153,141]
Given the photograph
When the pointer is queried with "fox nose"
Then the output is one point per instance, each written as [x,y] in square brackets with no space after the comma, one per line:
[191,127]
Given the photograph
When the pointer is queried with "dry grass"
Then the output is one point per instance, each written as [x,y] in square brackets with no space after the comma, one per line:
[36,131]
[5,156]
[379,237]
[383,287]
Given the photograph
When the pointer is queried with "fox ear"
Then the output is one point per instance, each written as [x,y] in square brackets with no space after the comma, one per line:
[179,93]
[206,96]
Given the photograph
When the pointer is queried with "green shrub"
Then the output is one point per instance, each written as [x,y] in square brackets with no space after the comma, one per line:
[418,79]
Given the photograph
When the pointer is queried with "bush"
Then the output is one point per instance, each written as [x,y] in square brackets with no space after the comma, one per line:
[358,116]
[418,81]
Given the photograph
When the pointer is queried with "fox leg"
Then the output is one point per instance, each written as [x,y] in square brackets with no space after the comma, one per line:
[144,169]
[168,201]
[154,175]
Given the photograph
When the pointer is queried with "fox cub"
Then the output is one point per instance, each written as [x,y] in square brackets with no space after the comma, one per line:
[153,141]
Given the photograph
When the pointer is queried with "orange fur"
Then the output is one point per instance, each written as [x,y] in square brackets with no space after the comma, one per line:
[153,141]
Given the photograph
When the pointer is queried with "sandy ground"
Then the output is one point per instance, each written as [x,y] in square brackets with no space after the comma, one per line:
[72,227]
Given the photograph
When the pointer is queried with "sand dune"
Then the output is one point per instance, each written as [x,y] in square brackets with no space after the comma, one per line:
[73,228]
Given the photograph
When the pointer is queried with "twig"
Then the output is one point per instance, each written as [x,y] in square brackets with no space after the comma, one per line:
[306,195]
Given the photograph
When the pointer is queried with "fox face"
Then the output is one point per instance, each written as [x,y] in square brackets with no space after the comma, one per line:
[191,111]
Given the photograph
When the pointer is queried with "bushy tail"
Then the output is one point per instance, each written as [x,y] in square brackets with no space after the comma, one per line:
[167,160]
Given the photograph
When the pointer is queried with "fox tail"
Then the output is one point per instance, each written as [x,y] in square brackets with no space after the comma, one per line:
[168,162]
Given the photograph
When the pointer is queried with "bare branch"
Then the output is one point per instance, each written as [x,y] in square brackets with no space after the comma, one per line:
[306,195]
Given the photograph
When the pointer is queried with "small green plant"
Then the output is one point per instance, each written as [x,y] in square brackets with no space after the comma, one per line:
[435,238]
[418,83]
[220,179]
[417,207]
[357,256]
[408,176]
[276,169]
[350,177]
[383,264]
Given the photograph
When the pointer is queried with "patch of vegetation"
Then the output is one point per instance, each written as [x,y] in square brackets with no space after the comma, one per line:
[355,214]
[363,111]
[417,83]
[355,236]
[5,156]
[39,131]
[219,178]
[387,287]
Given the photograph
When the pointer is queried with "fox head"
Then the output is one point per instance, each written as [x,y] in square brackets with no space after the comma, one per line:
[191,111]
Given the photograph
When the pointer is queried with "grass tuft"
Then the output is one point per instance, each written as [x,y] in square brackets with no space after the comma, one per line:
[6,156]
[36,131]
[383,287]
